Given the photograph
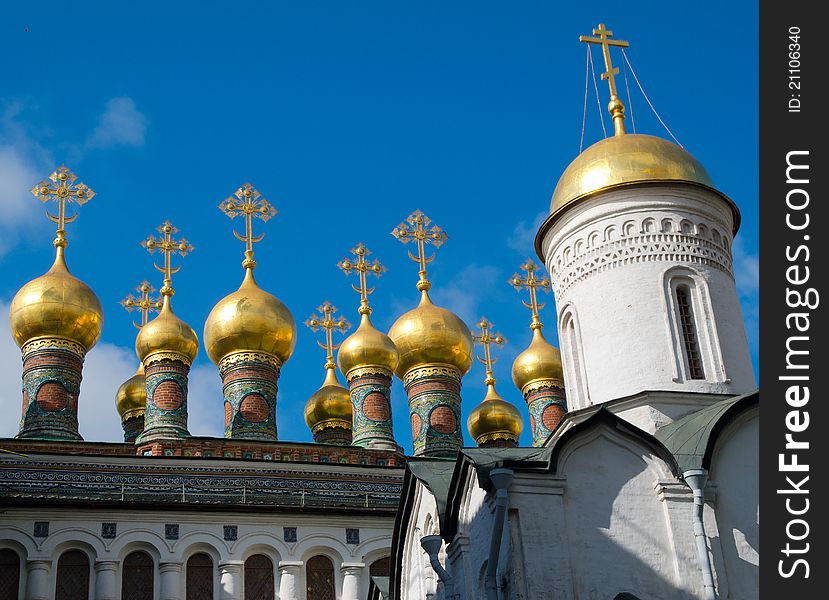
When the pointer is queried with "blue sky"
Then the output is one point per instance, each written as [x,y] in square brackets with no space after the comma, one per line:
[347,117]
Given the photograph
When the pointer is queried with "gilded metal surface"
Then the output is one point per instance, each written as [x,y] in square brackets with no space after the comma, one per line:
[56,305]
[542,384]
[245,356]
[247,201]
[616,108]
[329,406]
[62,190]
[494,418]
[166,334]
[168,246]
[539,361]
[162,355]
[429,370]
[250,320]
[416,228]
[131,397]
[368,370]
[144,303]
[52,342]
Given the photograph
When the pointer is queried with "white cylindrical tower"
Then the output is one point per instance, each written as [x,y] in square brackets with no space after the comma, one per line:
[638,243]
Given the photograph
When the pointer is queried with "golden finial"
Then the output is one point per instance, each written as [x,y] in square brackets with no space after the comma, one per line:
[248,202]
[168,246]
[616,107]
[328,324]
[143,303]
[531,282]
[486,339]
[362,267]
[62,189]
[418,230]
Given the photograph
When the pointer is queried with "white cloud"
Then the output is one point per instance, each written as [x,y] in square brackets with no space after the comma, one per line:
[747,275]
[523,236]
[121,124]
[205,404]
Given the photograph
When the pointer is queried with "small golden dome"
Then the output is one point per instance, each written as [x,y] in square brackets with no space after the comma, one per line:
[430,334]
[166,333]
[329,406]
[251,320]
[131,397]
[367,346]
[629,159]
[495,419]
[540,360]
[56,305]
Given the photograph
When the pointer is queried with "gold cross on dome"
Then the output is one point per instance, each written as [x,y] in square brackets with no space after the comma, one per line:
[328,324]
[168,246]
[617,109]
[486,339]
[144,303]
[533,283]
[418,230]
[63,190]
[248,201]
[362,267]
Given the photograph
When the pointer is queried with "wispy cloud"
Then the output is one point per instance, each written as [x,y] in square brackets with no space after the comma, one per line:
[523,235]
[121,124]
[205,403]
[747,276]
[465,293]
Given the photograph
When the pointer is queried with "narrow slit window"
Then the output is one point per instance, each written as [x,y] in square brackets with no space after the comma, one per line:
[689,333]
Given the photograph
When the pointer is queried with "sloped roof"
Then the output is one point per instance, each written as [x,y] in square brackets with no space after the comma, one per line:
[691,439]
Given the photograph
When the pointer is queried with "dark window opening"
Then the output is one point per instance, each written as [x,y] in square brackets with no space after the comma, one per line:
[688,330]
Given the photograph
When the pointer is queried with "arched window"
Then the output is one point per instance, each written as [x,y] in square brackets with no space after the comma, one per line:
[380,567]
[9,574]
[199,584]
[688,331]
[259,580]
[137,576]
[73,576]
[319,578]
[573,361]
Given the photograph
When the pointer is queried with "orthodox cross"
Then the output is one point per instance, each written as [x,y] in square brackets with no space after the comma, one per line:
[248,202]
[418,230]
[616,106]
[362,267]
[62,189]
[168,246]
[328,324]
[486,339]
[531,282]
[144,303]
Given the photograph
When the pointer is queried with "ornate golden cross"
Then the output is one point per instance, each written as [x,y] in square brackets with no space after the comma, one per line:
[532,283]
[362,267]
[418,230]
[616,107]
[248,202]
[62,189]
[144,303]
[486,339]
[168,246]
[328,324]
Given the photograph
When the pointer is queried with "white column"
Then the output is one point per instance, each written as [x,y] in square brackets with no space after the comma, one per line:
[351,580]
[106,582]
[170,580]
[230,580]
[289,572]
[38,578]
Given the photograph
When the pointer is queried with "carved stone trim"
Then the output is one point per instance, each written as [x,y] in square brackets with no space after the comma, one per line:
[161,356]
[362,371]
[431,370]
[542,384]
[53,343]
[261,357]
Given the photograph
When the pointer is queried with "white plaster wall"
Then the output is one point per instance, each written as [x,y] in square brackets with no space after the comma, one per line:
[418,579]
[735,474]
[199,531]
[609,258]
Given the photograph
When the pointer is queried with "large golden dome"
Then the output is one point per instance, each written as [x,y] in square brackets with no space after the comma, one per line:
[540,360]
[166,333]
[430,334]
[329,406]
[252,320]
[367,346]
[56,305]
[131,397]
[494,419]
[629,159]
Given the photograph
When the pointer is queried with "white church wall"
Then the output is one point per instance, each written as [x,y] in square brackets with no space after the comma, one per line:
[734,470]
[611,259]
[418,579]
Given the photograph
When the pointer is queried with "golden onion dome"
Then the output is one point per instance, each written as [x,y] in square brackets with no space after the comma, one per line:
[629,159]
[367,346]
[131,397]
[540,360]
[250,320]
[494,419]
[430,334]
[166,333]
[56,305]
[329,406]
